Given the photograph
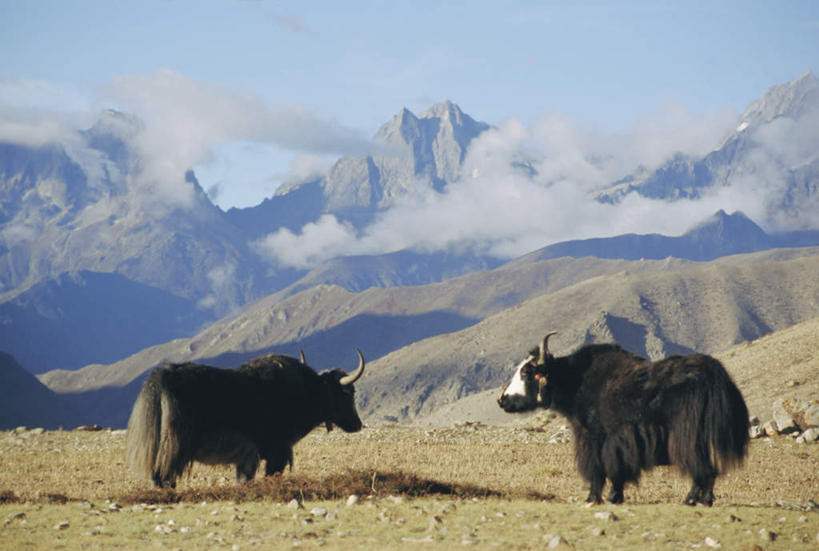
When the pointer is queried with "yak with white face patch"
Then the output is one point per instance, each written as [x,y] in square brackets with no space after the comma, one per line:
[629,414]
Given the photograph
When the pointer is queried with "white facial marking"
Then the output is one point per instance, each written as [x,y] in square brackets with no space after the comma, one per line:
[517,386]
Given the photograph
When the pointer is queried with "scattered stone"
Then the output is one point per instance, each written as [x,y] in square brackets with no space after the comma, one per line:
[769,429]
[810,417]
[811,434]
[733,518]
[295,504]
[555,541]
[352,500]
[62,525]
[597,531]
[805,414]
[435,523]
[446,508]
[318,511]
[767,535]
[89,428]
[783,419]
[605,515]
[755,431]
[712,542]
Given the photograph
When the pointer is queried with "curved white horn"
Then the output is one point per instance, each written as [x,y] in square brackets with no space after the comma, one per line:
[301,356]
[355,375]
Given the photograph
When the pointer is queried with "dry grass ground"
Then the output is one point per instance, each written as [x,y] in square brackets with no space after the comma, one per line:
[471,485]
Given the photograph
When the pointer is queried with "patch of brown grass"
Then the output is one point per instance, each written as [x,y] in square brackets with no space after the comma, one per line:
[336,486]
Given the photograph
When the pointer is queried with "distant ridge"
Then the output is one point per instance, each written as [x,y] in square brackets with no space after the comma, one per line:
[720,235]
[25,401]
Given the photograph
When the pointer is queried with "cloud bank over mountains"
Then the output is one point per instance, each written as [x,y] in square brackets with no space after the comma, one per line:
[521,186]
[181,122]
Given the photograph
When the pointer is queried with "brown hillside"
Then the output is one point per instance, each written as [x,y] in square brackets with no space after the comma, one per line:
[707,309]
[310,317]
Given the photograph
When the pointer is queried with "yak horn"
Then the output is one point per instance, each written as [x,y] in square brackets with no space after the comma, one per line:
[301,356]
[544,348]
[355,375]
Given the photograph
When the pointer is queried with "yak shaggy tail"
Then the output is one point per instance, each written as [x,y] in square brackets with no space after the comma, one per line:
[709,432]
[153,443]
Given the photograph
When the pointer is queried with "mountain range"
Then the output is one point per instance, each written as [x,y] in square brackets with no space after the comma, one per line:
[772,152]
[100,281]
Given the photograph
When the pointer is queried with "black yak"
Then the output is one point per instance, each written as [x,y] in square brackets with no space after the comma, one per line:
[190,412]
[629,414]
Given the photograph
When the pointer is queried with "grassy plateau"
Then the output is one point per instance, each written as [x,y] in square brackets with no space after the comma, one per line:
[470,486]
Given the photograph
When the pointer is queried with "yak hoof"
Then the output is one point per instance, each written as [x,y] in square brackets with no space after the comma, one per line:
[615,499]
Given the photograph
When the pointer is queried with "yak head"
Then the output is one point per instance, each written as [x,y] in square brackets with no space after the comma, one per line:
[528,387]
[340,396]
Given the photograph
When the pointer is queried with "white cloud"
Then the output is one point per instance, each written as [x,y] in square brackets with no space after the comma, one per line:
[499,208]
[316,242]
[307,167]
[184,123]
[186,119]
[34,113]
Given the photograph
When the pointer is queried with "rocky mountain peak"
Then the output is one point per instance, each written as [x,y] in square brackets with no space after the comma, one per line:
[445,110]
[722,229]
[402,129]
[792,99]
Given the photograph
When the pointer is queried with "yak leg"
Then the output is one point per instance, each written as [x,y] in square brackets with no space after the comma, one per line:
[247,461]
[702,490]
[278,460]
[588,463]
[616,493]
[596,481]
[246,468]
[158,482]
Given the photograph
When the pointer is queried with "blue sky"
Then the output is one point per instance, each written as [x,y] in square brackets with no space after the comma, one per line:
[327,74]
